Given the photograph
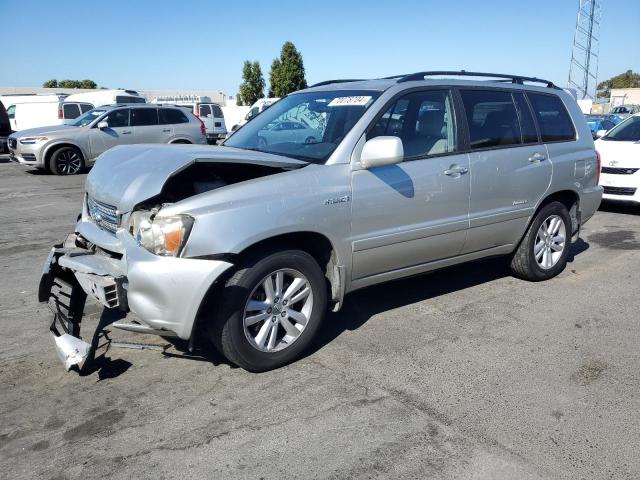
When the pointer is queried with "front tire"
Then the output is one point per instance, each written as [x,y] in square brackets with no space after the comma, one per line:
[542,253]
[66,161]
[271,310]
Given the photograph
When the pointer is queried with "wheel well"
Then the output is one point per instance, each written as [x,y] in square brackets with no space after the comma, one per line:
[58,146]
[315,244]
[569,199]
[180,140]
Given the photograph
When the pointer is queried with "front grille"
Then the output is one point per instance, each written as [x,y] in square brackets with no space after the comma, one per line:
[619,191]
[13,143]
[103,215]
[620,171]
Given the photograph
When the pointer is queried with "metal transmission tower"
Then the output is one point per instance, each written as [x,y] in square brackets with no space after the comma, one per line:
[583,72]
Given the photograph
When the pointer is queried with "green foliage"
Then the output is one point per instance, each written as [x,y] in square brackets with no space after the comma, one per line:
[627,79]
[287,72]
[238,99]
[252,87]
[88,84]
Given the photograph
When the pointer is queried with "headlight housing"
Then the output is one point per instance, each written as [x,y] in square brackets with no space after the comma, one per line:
[32,140]
[160,235]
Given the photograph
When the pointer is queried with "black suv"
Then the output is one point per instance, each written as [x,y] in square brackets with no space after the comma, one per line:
[5,129]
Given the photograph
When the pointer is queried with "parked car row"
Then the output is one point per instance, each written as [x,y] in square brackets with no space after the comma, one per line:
[202,107]
[67,149]
[33,111]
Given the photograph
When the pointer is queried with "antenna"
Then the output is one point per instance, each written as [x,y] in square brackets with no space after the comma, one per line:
[583,71]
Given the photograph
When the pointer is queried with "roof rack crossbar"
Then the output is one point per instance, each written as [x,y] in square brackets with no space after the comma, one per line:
[519,79]
[329,82]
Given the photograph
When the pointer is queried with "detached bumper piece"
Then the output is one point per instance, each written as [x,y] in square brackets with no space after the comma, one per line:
[66,292]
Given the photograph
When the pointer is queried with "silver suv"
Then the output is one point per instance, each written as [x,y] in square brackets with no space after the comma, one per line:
[67,149]
[246,245]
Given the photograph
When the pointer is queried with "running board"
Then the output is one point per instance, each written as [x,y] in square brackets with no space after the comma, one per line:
[137,328]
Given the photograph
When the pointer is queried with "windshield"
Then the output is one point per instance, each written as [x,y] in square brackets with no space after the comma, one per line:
[87,118]
[305,126]
[627,131]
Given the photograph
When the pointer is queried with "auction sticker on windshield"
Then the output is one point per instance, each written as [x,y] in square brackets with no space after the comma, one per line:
[356,100]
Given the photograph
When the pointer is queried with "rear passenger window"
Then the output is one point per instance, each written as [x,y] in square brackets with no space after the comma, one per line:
[527,126]
[423,121]
[492,118]
[141,117]
[205,110]
[171,116]
[553,119]
[71,110]
[217,111]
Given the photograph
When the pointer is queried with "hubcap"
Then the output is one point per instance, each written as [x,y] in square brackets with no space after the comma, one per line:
[278,310]
[69,162]
[550,242]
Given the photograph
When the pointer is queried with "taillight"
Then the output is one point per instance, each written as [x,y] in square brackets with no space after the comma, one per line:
[202,129]
[60,114]
[599,164]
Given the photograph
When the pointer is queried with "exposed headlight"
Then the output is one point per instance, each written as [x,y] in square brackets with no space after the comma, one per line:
[160,235]
[32,140]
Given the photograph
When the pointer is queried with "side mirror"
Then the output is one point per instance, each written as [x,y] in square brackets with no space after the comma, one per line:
[380,151]
[601,133]
[103,125]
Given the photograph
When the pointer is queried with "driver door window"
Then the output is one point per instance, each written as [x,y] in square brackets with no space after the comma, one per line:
[424,122]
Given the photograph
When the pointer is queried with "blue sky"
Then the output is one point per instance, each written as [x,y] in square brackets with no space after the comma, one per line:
[159,44]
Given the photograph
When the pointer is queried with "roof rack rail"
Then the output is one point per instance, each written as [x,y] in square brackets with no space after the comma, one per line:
[344,80]
[519,79]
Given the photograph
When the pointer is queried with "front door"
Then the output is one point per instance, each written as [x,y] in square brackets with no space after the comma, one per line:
[414,212]
[510,168]
[119,132]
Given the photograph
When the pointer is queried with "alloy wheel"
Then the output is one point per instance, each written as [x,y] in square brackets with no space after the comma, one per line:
[278,310]
[550,242]
[68,162]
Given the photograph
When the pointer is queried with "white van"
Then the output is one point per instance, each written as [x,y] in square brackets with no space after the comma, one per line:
[255,109]
[32,111]
[202,107]
[99,98]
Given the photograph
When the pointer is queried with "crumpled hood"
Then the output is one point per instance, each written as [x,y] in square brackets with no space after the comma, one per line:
[127,175]
[49,130]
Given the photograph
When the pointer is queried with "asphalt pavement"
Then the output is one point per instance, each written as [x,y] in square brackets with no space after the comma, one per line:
[466,373]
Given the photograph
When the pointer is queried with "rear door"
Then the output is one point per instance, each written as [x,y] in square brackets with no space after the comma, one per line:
[146,128]
[510,170]
[206,115]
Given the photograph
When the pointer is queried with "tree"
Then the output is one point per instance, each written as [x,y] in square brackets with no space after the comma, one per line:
[627,79]
[88,84]
[53,83]
[239,99]
[287,72]
[68,84]
[252,88]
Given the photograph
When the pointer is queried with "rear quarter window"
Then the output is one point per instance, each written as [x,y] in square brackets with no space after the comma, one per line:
[217,111]
[552,116]
[172,116]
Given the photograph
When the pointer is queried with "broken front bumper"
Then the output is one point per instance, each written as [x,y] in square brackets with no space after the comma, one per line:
[164,293]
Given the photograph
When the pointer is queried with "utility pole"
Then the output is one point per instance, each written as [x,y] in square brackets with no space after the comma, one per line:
[583,71]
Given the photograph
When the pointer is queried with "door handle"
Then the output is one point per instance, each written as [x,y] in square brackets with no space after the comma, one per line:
[125,132]
[456,171]
[537,157]
[166,130]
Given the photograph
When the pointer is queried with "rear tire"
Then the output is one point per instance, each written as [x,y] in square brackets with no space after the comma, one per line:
[260,329]
[66,161]
[542,253]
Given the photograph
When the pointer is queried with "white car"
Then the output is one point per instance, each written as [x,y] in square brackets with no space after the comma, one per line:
[619,151]
[255,109]
[285,132]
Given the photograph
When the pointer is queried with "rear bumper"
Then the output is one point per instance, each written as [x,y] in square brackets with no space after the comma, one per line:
[165,293]
[590,202]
